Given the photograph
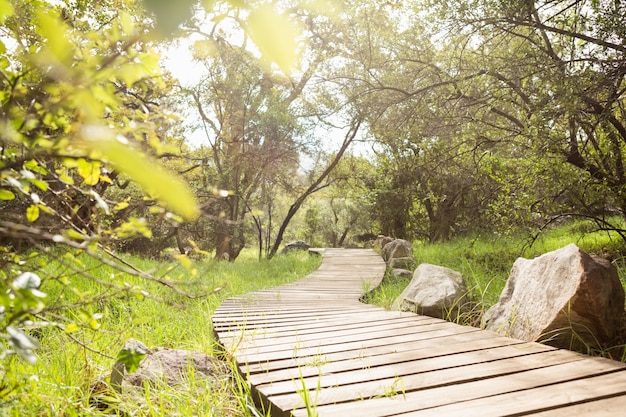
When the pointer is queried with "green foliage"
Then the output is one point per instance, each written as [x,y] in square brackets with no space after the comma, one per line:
[130,358]
[74,365]
[85,113]
[275,35]
[76,115]
[501,116]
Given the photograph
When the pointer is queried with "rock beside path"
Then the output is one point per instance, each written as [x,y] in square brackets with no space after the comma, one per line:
[397,248]
[297,245]
[434,291]
[566,298]
[165,366]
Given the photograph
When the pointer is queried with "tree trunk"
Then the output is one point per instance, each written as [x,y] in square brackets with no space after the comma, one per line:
[315,186]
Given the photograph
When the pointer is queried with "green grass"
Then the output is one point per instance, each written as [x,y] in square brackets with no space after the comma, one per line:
[70,378]
[70,374]
[485,261]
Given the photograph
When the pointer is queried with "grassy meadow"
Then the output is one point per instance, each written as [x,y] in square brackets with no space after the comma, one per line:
[70,376]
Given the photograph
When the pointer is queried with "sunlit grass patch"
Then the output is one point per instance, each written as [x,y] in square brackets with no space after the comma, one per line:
[70,377]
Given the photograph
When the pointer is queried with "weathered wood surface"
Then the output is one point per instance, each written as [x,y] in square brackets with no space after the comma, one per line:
[313,339]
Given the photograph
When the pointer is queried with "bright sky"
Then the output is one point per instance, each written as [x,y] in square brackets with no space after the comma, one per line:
[178,60]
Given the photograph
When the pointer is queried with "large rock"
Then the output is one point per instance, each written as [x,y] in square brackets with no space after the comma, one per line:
[434,291]
[398,248]
[566,298]
[169,366]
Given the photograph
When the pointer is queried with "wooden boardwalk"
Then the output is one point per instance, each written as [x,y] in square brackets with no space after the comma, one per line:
[312,342]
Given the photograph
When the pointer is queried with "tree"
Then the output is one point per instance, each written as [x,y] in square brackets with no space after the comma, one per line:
[428,174]
[80,117]
[346,205]
[552,80]
[251,136]
[318,183]
[467,102]
[258,122]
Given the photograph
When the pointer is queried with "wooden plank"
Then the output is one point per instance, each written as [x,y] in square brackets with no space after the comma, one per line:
[345,332]
[323,346]
[260,305]
[526,401]
[421,349]
[314,322]
[605,407]
[405,364]
[270,325]
[357,321]
[269,320]
[275,310]
[458,394]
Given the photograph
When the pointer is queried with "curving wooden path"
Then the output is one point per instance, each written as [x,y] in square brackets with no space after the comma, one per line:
[312,342]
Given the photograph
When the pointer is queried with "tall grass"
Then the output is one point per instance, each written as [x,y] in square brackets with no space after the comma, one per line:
[70,376]
[485,261]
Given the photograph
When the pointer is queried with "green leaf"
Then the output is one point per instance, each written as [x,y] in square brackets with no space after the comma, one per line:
[126,22]
[64,177]
[131,73]
[89,170]
[32,213]
[275,35]
[94,324]
[131,358]
[71,328]
[34,166]
[6,195]
[46,209]
[184,261]
[152,176]
[120,206]
[73,234]
[42,185]
[6,9]
[57,40]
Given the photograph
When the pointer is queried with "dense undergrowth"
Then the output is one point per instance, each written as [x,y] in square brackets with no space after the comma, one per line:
[70,377]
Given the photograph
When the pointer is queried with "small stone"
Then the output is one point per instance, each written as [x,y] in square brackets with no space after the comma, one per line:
[161,365]
[402,263]
[381,241]
[294,246]
[401,273]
